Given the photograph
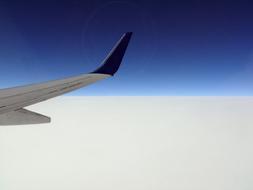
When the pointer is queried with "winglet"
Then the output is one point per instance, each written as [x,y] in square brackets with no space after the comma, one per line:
[113,60]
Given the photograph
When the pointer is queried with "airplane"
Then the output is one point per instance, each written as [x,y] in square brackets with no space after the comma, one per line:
[13,100]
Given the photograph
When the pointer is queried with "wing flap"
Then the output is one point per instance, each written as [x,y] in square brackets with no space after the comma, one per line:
[22,117]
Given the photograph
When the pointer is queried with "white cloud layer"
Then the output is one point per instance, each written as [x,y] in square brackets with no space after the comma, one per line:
[137,143]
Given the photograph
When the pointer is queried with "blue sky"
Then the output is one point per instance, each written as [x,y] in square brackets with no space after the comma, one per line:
[178,47]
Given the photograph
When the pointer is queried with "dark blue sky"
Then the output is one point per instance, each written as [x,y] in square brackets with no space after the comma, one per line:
[178,47]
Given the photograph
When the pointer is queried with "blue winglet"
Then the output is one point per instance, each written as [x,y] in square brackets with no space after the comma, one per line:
[112,62]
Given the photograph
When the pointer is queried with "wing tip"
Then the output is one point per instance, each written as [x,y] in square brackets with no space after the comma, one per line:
[113,61]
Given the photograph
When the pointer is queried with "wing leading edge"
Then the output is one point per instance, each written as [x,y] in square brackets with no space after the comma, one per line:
[13,100]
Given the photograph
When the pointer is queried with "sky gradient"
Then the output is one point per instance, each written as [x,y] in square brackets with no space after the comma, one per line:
[178,47]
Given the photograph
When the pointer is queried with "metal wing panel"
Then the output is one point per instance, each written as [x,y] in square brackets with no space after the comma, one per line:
[15,98]
[22,116]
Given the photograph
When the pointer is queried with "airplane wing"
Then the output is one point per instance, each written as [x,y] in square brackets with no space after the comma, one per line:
[13,100]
